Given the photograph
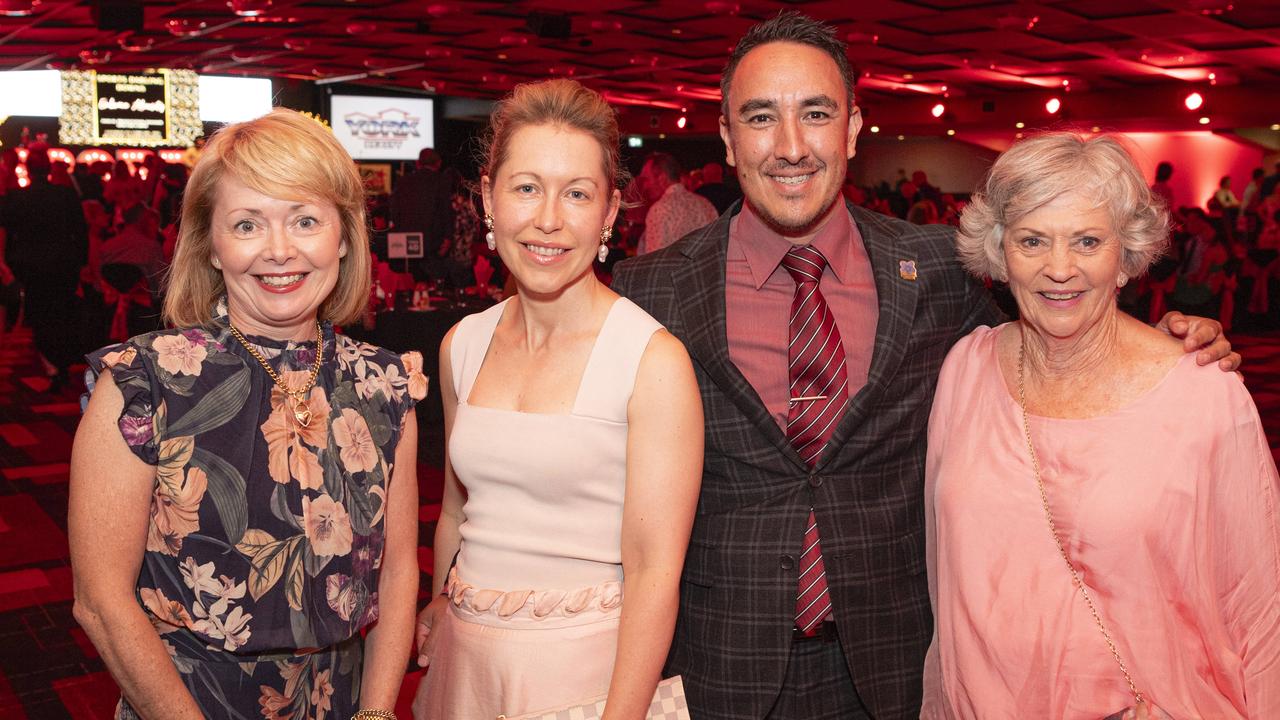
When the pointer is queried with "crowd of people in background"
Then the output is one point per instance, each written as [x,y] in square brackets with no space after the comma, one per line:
[96,274]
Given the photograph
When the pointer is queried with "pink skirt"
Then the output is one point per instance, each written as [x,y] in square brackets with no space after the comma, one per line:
[510,653]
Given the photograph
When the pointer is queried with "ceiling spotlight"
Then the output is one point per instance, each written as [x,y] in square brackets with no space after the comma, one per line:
[1204,120]
[1053,106]
[876,128]
[249,8]
[185,27]
[1275,126]
[682,122]
[938,110]
[1019,124]
[951,132]
[1193,101]
[18,8]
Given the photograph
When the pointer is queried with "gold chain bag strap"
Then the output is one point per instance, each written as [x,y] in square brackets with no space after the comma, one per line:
[1141,709]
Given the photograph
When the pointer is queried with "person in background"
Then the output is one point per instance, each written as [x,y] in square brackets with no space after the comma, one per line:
[1161,187]
[675,211]
[9,163]
[573,445]
[1080,434]
[422,201]
[1270,182]
[1226,205]
[243,512]
[46,244]
[714,189]
[136,244]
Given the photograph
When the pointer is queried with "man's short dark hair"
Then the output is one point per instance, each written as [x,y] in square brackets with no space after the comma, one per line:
[1164,171]
[666,164]
[430,159]
[793,27]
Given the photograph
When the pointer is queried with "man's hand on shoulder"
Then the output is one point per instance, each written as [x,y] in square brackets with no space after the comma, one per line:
[1202,335]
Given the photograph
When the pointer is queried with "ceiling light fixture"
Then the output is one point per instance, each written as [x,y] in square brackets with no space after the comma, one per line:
[1193,101]
[938,110]
[185,27]
[1204,120]
[1053,106]
[249,8]
[18,8]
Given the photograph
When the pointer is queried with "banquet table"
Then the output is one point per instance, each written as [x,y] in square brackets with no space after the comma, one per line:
[423,330]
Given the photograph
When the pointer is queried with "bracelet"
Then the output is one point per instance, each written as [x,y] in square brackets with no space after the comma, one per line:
[368,714]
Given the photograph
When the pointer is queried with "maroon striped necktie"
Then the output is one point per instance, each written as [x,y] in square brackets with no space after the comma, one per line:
[819,395]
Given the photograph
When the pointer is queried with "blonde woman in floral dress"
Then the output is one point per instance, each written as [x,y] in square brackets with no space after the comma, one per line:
[243,512]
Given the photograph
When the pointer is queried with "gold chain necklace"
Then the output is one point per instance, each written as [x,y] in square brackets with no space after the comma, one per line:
[297,398]
[1057,539]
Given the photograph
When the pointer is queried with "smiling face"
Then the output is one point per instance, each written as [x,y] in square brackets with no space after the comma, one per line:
[279,259]
[549,200]
[1064,264]
[789,132]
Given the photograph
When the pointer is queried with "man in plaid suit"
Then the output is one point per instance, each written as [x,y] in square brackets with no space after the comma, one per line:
[900,300]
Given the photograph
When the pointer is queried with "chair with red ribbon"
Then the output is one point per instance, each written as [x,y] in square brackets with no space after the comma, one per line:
[126,288]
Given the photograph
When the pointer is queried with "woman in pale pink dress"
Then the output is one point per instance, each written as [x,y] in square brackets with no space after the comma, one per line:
[573,458]
[1102,511]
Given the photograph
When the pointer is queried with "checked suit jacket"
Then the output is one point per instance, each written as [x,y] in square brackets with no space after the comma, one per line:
[738,591]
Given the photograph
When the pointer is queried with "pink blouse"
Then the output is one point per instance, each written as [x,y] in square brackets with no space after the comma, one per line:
[1168,509]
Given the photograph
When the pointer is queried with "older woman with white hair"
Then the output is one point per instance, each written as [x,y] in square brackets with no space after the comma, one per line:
[1101,511]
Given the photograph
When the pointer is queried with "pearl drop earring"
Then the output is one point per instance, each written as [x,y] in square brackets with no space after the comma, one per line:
[489,238]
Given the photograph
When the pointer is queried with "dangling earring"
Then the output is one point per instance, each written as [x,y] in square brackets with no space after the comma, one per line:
[603,252]
[489,239]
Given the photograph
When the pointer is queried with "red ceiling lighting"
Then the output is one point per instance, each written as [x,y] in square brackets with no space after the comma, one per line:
[18,8]
[1053,106]
[185,27]
[136,43]
[938,110]
[1193,101]
[249,8]
[723,8]
[95,56]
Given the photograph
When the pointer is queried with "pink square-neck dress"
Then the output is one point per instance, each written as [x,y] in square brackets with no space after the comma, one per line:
[536,593]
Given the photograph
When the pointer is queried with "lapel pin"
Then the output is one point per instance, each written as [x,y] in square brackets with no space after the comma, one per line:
[907,269]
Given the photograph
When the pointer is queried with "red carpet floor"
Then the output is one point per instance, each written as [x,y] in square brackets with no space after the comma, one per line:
[48,668]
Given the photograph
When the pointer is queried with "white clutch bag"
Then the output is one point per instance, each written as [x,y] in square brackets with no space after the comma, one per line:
[668,704]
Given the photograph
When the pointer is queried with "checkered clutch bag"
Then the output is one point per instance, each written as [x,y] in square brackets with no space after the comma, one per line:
[668,704]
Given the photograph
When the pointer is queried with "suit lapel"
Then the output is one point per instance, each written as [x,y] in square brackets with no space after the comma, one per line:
[897,291]
[699,288]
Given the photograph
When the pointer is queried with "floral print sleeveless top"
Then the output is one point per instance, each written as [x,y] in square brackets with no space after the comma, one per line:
[265,536]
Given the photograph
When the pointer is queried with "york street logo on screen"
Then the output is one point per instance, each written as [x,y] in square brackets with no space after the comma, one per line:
[388,129]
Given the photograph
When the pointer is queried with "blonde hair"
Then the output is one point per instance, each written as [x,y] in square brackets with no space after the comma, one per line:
[558,102]
[284,155]
[1039,169]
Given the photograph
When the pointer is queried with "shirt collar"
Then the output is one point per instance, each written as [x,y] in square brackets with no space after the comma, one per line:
[763,248]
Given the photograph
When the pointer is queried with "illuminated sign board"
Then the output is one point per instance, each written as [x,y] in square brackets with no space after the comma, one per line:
[143,109]
[132,108]
[382,128]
